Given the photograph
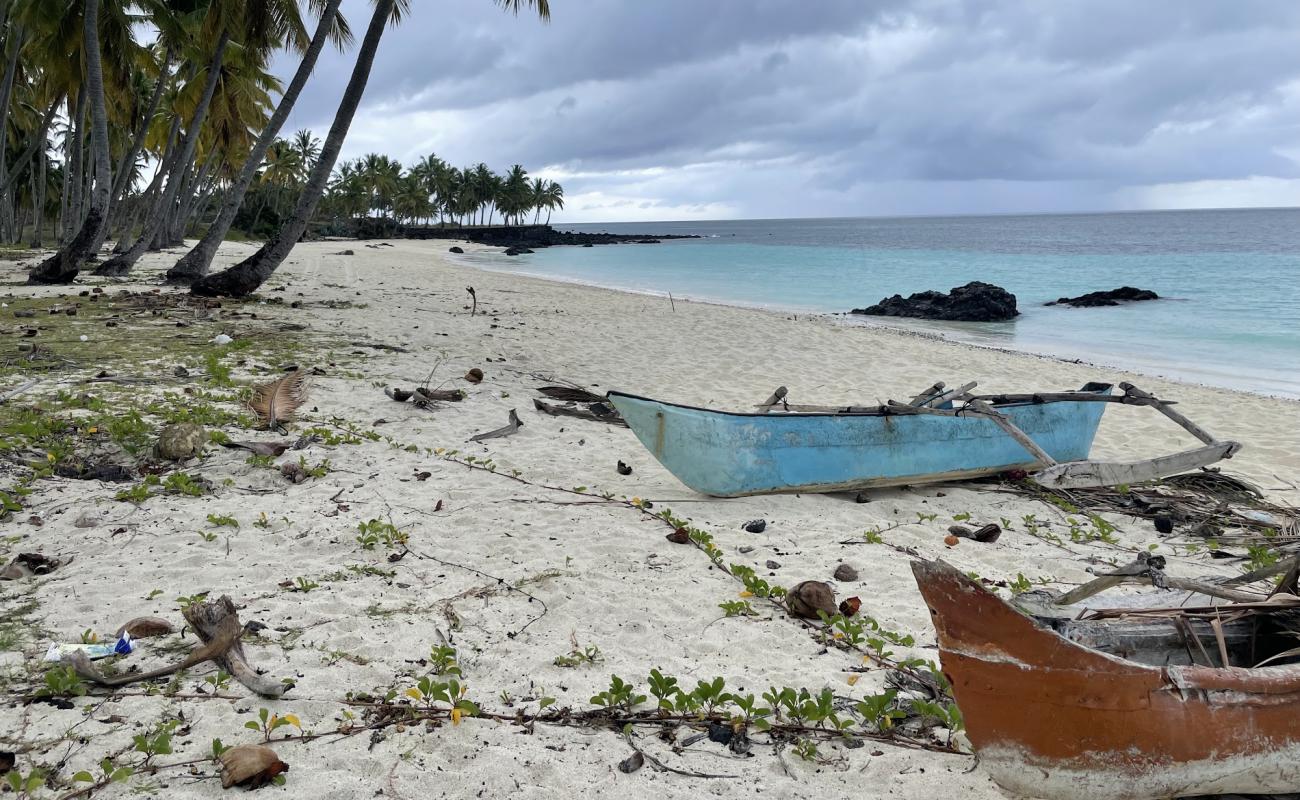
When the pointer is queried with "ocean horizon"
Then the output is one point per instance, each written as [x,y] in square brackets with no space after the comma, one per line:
[1229,280]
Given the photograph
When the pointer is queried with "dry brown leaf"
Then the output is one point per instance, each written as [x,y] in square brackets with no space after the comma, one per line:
[276,401]
[250,766]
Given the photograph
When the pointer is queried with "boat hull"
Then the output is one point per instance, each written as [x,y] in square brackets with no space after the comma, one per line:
[731,455]
[1053,719]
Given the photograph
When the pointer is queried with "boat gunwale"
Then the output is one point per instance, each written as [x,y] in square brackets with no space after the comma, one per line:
[878,411]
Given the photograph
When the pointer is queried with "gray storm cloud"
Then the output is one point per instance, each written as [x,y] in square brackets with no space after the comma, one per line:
[680,108]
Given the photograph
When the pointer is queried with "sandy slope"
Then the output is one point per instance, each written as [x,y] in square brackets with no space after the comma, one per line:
[606,575]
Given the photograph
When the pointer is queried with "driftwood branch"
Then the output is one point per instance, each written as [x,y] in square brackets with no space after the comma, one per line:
[506,430]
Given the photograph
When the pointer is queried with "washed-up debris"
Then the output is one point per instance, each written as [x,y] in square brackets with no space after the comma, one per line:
[293,472]
[679,536]
[145,628]
[987,533]
[473,309]
[276,401]
[809,597]
[755,525]
[506,430]
[632,763]
[87,471]
[216,622]
[623,469]
[400,395]
[273,449]
[475,375]
[250,766]
[850,606]
[25,565]
[845,573]
[63,651]
[221,339]
[180,441]
[570,394]
[596,412]
[440,395]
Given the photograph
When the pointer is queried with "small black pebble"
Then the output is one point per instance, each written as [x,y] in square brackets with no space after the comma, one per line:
[755,525]
[624,469]
[1164,524]
[862,498]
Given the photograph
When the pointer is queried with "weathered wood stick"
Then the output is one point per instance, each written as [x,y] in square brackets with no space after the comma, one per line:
[1159,405]
[1015,433]
[927,394]
[951,394]
[777,397]
[7,396]
[506,430]
[214,619]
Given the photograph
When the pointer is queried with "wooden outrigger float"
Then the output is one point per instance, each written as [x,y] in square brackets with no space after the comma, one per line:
[940,435]
[1130,705]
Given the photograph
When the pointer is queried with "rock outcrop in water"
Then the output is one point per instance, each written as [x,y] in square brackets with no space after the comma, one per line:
[974,302]
[1124,294]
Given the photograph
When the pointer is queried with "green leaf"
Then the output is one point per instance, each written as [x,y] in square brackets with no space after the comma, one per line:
[252,726]
[83,777]
[120,774]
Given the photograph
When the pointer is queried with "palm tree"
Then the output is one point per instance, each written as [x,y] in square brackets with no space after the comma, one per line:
[244,278]
[308,149]
[262,27]
[195,264]
[63,266]
[537,197]
[553,197]
[515,194]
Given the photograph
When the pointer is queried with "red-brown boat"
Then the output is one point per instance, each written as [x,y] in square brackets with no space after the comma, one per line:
[1054,718]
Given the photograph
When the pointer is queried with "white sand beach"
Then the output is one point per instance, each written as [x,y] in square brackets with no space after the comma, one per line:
[601,575]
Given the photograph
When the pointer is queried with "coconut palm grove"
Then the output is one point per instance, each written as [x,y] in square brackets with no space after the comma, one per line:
[145,123]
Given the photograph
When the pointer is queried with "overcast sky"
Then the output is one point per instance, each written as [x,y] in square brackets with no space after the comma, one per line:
[706,109]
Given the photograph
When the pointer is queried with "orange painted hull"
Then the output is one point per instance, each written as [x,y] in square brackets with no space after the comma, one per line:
[1053,719]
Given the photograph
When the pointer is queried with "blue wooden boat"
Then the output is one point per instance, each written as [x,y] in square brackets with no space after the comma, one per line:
[824,449]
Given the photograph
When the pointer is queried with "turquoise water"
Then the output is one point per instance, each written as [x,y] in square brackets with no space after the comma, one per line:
[1232,279]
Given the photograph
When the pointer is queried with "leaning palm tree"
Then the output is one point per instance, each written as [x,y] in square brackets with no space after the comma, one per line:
[195,264]
[63,266]
[244,278]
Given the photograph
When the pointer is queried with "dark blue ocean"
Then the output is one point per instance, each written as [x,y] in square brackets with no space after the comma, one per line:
[1232,279]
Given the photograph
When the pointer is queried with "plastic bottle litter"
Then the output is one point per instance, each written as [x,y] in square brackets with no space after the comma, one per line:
[59,650]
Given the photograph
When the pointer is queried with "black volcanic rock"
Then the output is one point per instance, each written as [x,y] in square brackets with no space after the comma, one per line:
[455,250]
[517,251]
[1124,294]
[974,302]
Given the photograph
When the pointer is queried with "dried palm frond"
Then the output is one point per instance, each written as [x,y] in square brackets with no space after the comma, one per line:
[276,401]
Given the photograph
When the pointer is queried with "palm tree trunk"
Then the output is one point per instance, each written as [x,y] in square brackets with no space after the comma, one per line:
[244,278]
[121,265]
[14,38]
[64,265]
[72,166]
[38,201]
[122,180]
[195,264]
[176,231]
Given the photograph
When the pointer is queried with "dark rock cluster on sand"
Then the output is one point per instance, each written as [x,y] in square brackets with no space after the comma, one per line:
[1124,294]
[974,302]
